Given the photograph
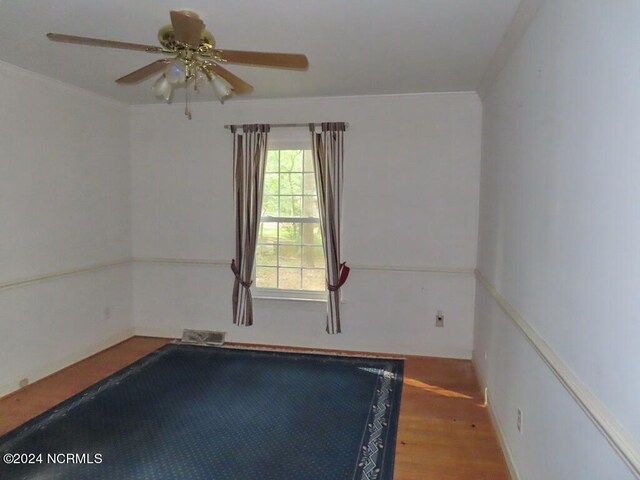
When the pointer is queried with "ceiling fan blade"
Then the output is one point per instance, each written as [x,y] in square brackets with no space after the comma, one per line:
[187,27]
[264,59]
[239,86]
[96,42]
[144,72]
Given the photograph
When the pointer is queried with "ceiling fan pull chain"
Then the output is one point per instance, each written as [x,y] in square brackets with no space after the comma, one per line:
[193,51]
[187,110]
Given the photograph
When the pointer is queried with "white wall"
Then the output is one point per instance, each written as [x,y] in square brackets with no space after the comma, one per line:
[411,202]
[559,235]
[64,205]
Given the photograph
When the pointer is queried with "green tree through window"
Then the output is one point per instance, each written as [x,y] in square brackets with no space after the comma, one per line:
[289,254]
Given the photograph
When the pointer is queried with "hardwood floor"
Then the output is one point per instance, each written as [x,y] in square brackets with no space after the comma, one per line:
[21,405]
[444,432]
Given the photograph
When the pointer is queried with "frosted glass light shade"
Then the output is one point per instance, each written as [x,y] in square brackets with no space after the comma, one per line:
[200,78]
[176,72]
[162,88]
[167,94]
[221,88]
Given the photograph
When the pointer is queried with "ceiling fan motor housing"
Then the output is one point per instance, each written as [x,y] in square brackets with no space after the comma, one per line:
[167,39]
[193,50]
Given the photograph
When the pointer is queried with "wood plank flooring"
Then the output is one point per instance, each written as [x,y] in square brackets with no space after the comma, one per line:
[444,434]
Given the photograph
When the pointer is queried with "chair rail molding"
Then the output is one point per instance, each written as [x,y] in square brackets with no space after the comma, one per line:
[25,281]
[390,268]
[622,442]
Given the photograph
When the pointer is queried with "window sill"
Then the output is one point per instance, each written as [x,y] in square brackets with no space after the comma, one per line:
[290,299]
[290,295]
[295,296]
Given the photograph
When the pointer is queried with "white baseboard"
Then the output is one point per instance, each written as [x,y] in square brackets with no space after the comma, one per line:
[624,444]
[157,332]
[78,355]
[497,427]
[434,351]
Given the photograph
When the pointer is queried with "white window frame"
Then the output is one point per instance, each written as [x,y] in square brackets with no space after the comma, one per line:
[284,293]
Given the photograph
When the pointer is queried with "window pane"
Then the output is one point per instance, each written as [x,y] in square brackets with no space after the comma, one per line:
[266,255]
[309,184]
[308,161]
[312,257]
[272,161]
[269,206]
[290,206]
[311,234]
[290,256]
[289,278]
[313,280]
[266,277]
[310,207]
[268,232]
[290,184]
[291,160]
[271,183]
[290,233]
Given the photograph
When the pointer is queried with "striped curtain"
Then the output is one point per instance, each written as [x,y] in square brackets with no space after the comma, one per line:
[328,153]
[249,160]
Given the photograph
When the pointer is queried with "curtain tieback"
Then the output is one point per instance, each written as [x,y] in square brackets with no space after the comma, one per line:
[344,274]
[236,272]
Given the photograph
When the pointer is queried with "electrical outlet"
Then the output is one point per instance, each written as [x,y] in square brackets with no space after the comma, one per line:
[519,421]
[440,319]
[485,355]
[107,313]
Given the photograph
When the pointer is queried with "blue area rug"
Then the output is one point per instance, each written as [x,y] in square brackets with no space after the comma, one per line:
[188,412]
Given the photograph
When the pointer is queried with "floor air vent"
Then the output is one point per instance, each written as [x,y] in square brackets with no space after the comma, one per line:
[203,337]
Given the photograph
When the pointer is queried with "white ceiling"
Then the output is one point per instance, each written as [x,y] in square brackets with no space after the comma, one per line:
[355,47]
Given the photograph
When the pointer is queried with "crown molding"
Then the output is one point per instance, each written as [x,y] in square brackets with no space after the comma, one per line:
[69,88]
[523,17]
[144,106]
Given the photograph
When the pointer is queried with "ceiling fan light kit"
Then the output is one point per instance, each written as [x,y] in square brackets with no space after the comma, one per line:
[221,88]
[162,88]
[195,60]
[181,73]
[176,72]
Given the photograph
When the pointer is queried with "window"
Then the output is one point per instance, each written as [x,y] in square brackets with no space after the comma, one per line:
[289,254]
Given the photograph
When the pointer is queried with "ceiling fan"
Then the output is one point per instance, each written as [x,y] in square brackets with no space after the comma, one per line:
[195,59]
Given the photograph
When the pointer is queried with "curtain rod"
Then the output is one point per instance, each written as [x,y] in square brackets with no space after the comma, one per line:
[285,125]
